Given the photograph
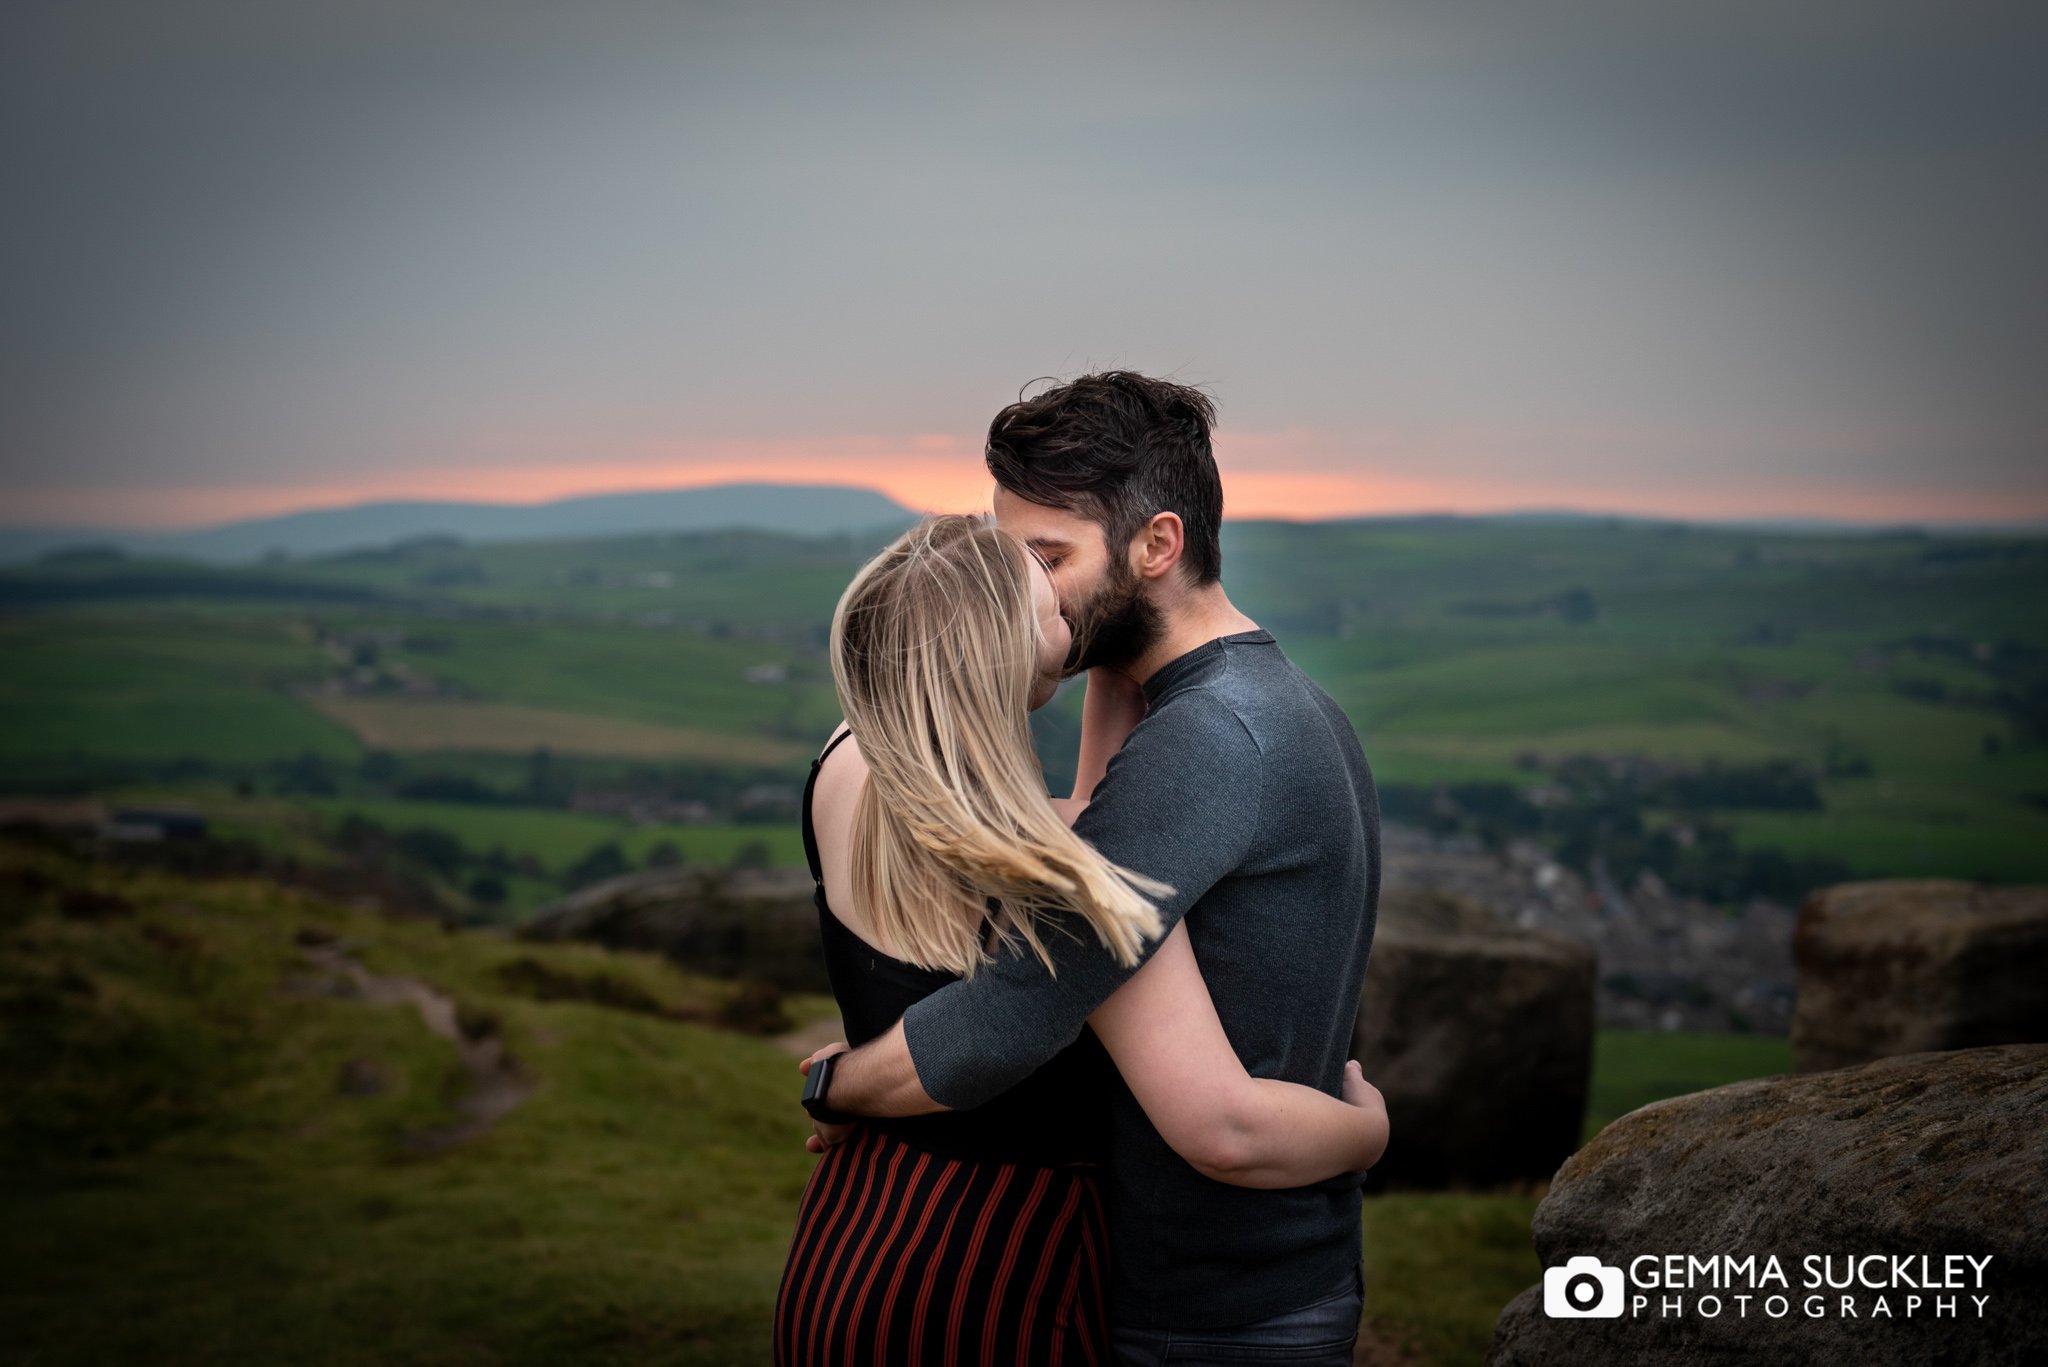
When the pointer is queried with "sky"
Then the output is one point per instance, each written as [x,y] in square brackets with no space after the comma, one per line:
[1732,260]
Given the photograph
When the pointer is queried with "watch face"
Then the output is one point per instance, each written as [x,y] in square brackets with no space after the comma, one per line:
[815,1083]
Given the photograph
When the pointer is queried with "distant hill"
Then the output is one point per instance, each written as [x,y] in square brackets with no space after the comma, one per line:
[1789,525]
[802,510]
[790,509]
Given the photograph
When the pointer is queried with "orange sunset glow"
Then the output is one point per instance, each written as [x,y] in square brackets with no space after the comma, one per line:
[1289,475]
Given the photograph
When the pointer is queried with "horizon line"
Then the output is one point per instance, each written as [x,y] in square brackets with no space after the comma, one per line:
[2029,520]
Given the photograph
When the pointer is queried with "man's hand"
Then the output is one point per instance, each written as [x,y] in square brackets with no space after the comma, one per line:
[824,1136]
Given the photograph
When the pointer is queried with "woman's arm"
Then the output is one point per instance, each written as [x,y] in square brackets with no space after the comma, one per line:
[1162,1030]
[1110,711]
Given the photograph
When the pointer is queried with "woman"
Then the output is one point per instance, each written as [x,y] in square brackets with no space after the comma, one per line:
[977,1236]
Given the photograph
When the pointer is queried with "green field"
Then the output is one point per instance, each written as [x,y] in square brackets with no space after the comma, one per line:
[182,1180]
[1440,1266]
[1632,1068]
[721,584]
[162,684]
[179,681]
[303,827]
[560,838]
[1906,671]
[664,675]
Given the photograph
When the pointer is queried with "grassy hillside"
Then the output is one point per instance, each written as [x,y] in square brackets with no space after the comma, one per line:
[184,1181]
[184,1178]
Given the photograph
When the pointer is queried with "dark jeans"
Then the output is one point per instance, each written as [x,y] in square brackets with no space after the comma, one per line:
[1317,1335]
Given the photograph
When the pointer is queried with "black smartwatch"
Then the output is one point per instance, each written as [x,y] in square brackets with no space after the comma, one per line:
[815,1083]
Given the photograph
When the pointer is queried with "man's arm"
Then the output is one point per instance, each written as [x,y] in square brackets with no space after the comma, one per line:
[878,1079]
[1180,803]
[883,1079]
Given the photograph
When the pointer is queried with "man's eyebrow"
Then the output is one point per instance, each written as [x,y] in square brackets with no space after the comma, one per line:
[1043,544]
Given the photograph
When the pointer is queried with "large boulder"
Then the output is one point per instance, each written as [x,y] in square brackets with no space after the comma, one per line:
[1941,1154]
[1903,966]
[1480,1035]
[759,925]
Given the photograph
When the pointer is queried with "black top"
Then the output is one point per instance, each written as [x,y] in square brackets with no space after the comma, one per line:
[1058,1115]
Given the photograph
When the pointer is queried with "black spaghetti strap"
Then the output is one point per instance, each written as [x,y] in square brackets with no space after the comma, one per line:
[810,830]
[830,746]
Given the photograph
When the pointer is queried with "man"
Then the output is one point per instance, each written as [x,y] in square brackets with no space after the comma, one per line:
[1245,789]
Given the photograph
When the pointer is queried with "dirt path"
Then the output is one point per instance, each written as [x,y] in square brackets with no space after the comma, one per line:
[808,1039]
[497,1082]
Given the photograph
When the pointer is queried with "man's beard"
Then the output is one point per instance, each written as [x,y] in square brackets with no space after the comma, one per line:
[1116,626]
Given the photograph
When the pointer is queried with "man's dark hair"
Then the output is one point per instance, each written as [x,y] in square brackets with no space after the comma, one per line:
[1118,448]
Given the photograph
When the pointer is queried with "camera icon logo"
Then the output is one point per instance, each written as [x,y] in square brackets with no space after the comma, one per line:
[1583,1289]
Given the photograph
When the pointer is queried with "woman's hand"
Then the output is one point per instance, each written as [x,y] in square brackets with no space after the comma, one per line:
[1111,711]
[1115,701]
[1362,1094]
[823,1136]
[1357,1090]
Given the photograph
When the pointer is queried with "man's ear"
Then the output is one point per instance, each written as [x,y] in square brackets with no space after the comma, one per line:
[1157,547]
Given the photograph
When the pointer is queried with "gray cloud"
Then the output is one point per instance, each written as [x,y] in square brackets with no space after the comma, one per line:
[278,242]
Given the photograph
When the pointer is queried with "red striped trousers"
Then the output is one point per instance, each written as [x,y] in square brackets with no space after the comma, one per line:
[903,1257]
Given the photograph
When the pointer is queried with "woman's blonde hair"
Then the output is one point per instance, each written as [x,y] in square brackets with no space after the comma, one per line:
[934,650]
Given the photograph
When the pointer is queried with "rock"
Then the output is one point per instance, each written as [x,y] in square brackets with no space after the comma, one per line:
[1937,1154]
[1480,1035]
[759,925]
[1903,966]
